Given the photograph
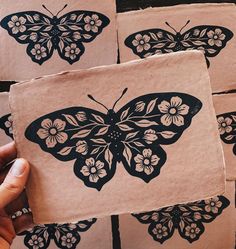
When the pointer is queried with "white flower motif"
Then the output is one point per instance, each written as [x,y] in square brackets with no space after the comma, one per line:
[92,23]
[76,36]
[212,205]
[192,231]
[141,42]
[93,169]
[72,51]
[81,116]
[53,132]
[139,107]
[173,111]
[17,24]
[82,147]
[146,162]
[38,51]
[9,124]
[216,37]
[34,37]
[160,231]
[68,240]
[150,136]
[36,242]
[224,125]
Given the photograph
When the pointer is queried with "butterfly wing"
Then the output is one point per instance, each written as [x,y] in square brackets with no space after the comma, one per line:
[78,27]
[150,42]
[38,236]
[187,219]
[227,128]
[148,122]
[67,236]
[6,125]
[77,134]
[209,39]
[32,28]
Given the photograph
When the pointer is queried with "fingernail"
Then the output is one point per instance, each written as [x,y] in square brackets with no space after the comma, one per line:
[18,168]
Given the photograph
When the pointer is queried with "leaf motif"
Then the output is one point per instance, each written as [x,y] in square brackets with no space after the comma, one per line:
[203,32]
[61,28]
[170,37]
[48,28]
[154,37]
[181,225]
[82,225]
[195,208]
[81,134]
[98,118]
[233,117]
[127,154]
[145,123]
[211,51]
[95,151]
[183,209]
[186,36]
[79,17]
[186,214]
[61,45]
[46,20]
[131,135]
[167,134]
[151,106]
[124,114]
[230,137]
[170,224]
[75,27]
[159,45]
[102,131]
[70,119]
[30,19]
[65,151]
[145,217]
[35,28]
[49,45]
[108,156]
[57,235]
[86,36]
[186,44]
[198,43]
[23,37]
[139,144]
[125,127]
[171,45]
[63,20]
[45,235]
[207,216]
[99,141]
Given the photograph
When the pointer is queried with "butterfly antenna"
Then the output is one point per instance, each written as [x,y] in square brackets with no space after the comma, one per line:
[123,93]
[47,9]
[61,10]
[171,27]
[92,98]
[185,25]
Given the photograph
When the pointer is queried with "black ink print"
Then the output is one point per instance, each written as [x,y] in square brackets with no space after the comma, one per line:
[209,39]
[44,34]
[188,219]
[132,135]
[6,125]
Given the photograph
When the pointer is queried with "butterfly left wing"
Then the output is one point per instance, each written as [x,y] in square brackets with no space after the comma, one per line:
[188,219]
[76,28]
[6,125]
[227,128]
[67,236]
[209,39]
[150,121]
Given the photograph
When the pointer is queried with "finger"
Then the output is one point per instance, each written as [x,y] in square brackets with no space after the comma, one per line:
[14,182]
[7,153]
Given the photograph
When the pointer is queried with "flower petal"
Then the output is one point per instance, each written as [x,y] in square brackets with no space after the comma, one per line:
[228,129]
[90,162]
[102,173]
[93,178]
[61,137]
[210,34]
[138,158]
[228,121]
[147,153]
[51,142]
[99,164]
[139,167]
[59,124]
[135,43]
[211,42]
[43,133]
[178,120]
[175,101]
[139,48]
[164,106]
[148,170]
[218,31]
[218,43]
[138,37]
[46,123]
[183,109]
[154,160]
[166,120]
[85,171]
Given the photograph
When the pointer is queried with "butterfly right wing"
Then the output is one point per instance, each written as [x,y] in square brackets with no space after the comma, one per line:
[32,28]
[150,42]
[77,133]
[227,128]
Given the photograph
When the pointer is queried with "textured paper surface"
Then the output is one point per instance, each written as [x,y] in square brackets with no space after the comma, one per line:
[218,233]
[4,110]
[101,51]
[225,106]
[98,236]
[177,16]
[59,196]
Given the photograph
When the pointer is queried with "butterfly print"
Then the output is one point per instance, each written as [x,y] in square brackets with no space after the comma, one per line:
[44,34]
[227,128]
[66,236]
[132,135]
[209,39]
[188,219]
[6,125]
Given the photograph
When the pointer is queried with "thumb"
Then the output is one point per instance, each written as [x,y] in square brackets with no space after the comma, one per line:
[14,182]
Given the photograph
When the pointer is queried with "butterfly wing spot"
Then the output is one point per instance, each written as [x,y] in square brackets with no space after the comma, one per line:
[188,219]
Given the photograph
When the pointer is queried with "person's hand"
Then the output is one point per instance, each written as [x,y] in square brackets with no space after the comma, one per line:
[11,187]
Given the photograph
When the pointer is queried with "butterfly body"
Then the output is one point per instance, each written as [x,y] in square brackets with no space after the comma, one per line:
[207,38]
[44,34]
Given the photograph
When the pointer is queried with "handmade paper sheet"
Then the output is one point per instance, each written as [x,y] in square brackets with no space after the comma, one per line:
[209,28]
[155,139]
[204,224]
[44,37]
[225,106]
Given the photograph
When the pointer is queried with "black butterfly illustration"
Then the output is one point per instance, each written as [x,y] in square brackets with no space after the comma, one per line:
[227,128]
[66,236]
[44,34]
[207,38]
[6,125]
[132,135]
[188,219]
